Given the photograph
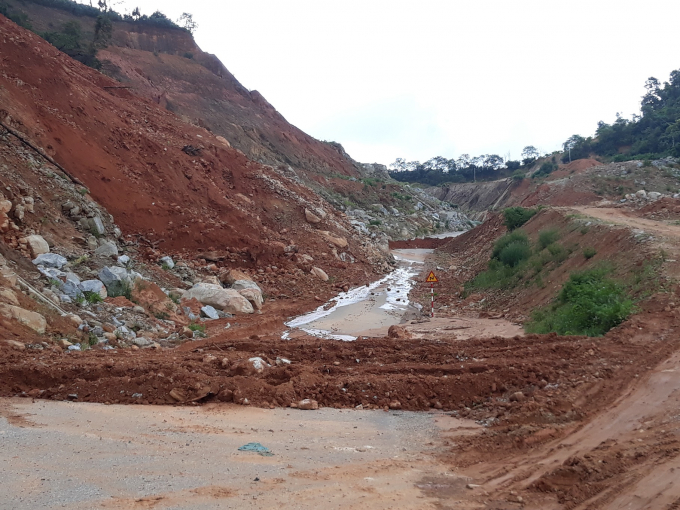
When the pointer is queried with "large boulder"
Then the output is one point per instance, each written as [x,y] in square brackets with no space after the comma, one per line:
[340,242]
[234,275]
[245,284]
[311,217]
[107,249]
[167,261]
[118,280]
[319,273]
[228,300]
[50,260]
[254,296]
[33,320]
[94,286]
[37,245]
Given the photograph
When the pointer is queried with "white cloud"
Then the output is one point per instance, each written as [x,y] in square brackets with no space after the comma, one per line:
[410,79]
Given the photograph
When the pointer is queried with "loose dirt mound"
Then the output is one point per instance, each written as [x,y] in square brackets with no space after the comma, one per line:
[663,209]
[479,374]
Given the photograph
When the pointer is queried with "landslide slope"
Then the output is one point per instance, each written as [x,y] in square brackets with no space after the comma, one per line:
[174,185]
[166,65]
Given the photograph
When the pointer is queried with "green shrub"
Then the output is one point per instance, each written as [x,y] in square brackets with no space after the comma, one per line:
[498,276]
[588,304]
[546,169]
[197,327]
[515,217]
[514,254]
[589,252]
[375,223]
[92,297]
[513,237]
[547,237]
[557,252]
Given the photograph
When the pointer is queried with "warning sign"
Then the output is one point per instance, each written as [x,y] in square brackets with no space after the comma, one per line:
[431,278]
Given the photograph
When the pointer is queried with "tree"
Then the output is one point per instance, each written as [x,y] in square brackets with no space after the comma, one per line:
[187,22]
[103,5]
[103,29]
[494,162]
[136,14]
[529,154]
[399,165]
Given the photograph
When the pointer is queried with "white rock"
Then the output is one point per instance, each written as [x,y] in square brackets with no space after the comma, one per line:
[97,225]
[50,260]
[228,300]
[641,194]
[653,195]
[33,320]
[254,297]
[116,279]
[95,286]
[37,245]
[258,363]
[168,262]
[107,249]
[124,261]
[209,312]
[308,405]
[319,273]
[245,284]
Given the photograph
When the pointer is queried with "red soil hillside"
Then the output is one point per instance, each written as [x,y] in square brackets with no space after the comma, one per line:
[166,66]
[174,184]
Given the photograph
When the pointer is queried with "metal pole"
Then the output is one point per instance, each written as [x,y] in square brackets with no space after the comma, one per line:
[432,294]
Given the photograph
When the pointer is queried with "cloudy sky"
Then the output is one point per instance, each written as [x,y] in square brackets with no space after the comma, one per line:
[411,79]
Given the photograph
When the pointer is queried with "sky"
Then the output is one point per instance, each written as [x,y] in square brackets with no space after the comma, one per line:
[418,79]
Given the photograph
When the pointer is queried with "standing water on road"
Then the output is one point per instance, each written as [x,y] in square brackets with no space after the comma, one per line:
[366,311]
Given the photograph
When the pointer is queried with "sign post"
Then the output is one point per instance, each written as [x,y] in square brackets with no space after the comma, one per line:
[431,279]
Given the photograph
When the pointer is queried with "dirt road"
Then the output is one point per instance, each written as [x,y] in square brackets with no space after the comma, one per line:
[83,456]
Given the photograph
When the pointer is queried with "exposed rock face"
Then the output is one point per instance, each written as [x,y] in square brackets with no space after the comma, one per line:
[228,300]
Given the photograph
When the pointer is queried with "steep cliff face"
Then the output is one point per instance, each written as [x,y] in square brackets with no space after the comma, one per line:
[171,185]
[477,197]
[166,65]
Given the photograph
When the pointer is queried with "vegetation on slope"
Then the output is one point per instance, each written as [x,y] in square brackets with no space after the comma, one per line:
[652,134]
[69,38]
[589,304]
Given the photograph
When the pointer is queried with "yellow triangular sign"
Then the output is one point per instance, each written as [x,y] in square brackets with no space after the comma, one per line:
[431,278]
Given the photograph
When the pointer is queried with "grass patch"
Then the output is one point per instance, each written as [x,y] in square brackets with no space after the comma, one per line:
[589,252]
[197,327]
[515,217]
[513,260]
[547,237]
[589,304]
[92,297]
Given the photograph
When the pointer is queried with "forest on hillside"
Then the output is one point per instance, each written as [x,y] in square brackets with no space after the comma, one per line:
[653,133]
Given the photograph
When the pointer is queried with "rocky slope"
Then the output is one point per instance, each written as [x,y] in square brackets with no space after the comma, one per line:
[91,172]
[167,67]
